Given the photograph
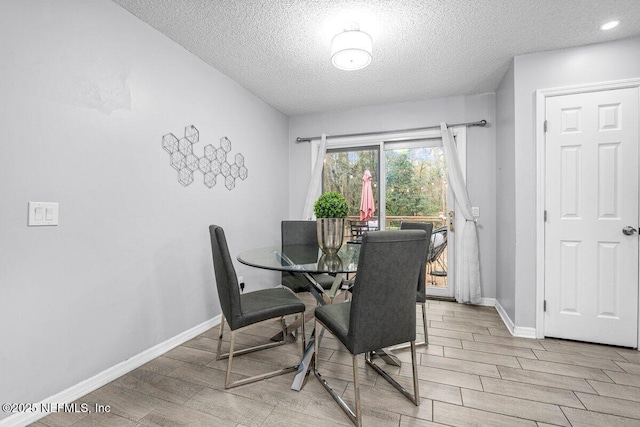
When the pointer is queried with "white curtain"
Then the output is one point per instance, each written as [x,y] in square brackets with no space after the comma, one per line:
[315,185]
[467,261]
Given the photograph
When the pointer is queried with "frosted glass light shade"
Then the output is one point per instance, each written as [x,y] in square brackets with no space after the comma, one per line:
[351,50]
[609,25]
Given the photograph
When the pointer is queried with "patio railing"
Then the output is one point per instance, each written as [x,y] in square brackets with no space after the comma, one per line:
[393,222]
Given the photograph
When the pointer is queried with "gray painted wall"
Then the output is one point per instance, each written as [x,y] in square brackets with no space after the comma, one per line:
[87,93]
[587,64]
[481,157]
[505,194]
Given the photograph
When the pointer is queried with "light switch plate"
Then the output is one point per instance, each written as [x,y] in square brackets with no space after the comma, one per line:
[42,213]
[475,211]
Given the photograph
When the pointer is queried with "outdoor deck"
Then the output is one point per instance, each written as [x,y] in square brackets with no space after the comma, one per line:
[393,223]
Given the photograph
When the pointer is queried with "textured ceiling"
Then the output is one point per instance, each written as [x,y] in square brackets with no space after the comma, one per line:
[280,50]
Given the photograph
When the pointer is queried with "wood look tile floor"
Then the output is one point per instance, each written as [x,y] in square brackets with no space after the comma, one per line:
[472,374]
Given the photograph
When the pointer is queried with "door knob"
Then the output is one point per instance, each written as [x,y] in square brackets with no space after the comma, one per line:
[628,230]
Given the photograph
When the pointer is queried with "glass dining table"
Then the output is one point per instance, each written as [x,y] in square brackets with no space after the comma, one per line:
[308,260]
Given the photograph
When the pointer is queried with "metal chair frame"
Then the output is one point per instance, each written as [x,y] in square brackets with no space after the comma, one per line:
[262,305]
[435,254]
[232,353]
[356,416]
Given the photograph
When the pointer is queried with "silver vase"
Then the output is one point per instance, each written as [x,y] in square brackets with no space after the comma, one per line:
[330,234]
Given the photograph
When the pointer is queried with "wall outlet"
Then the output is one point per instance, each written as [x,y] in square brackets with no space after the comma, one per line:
[475,211]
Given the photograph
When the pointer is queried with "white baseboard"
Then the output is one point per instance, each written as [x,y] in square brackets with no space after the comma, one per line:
[516,331]
[523,332]
[85,387]
[505,317]
[488,302]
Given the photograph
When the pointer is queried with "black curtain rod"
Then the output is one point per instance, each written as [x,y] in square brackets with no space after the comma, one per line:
[481,123]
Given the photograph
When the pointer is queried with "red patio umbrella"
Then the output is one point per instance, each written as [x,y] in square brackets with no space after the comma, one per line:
[367,206]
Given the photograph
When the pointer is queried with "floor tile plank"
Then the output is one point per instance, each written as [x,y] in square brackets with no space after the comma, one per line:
[588,350]
[454,415]
[461,327]
[458,365]
[507,405]
[160,386]
[180,415]
[545,379]
[538,393]
[564,369]
[582,418]
[610,405]
[631,356]
[616,390]
[624,378]
[509,341]
[498,349]
[444,376]
[482,357]
[230,407]
[572,359]
[630,368]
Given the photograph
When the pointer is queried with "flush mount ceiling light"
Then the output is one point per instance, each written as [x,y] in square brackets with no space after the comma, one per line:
[609,25]
[351,49]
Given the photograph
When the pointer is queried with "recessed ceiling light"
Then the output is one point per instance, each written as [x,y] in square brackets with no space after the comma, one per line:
[609,25]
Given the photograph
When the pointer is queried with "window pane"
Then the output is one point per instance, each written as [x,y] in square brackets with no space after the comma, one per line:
[416,190]
[416,185]
[343,171]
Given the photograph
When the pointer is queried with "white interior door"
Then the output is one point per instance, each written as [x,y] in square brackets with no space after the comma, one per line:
[591,181]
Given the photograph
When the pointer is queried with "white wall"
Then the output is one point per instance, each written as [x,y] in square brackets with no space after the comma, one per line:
[506,194]
[587,64]
[87,91]
[480,153]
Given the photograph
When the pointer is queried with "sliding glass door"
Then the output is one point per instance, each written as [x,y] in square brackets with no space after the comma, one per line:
[417,190]
[409,184]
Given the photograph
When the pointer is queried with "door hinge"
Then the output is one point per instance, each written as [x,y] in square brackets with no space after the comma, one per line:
[545,125]
[544,306]
[545,215]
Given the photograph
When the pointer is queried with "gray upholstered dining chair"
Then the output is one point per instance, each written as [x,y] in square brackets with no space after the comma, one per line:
[421,294]
[382,311]
[242,310]
[294,232]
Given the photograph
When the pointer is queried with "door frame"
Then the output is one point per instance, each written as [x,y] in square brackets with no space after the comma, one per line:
[541,96]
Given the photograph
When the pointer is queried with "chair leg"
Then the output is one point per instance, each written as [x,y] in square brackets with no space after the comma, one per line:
[231,353]
[219,353]
[304,337]
[414,364]
[356,388]
[354,417]
[416,397]
[424,323]
[227,377]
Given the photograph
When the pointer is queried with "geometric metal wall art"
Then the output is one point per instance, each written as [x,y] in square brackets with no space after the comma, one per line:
[215,164]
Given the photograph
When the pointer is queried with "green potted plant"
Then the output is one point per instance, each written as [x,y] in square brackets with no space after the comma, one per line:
[330,209]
